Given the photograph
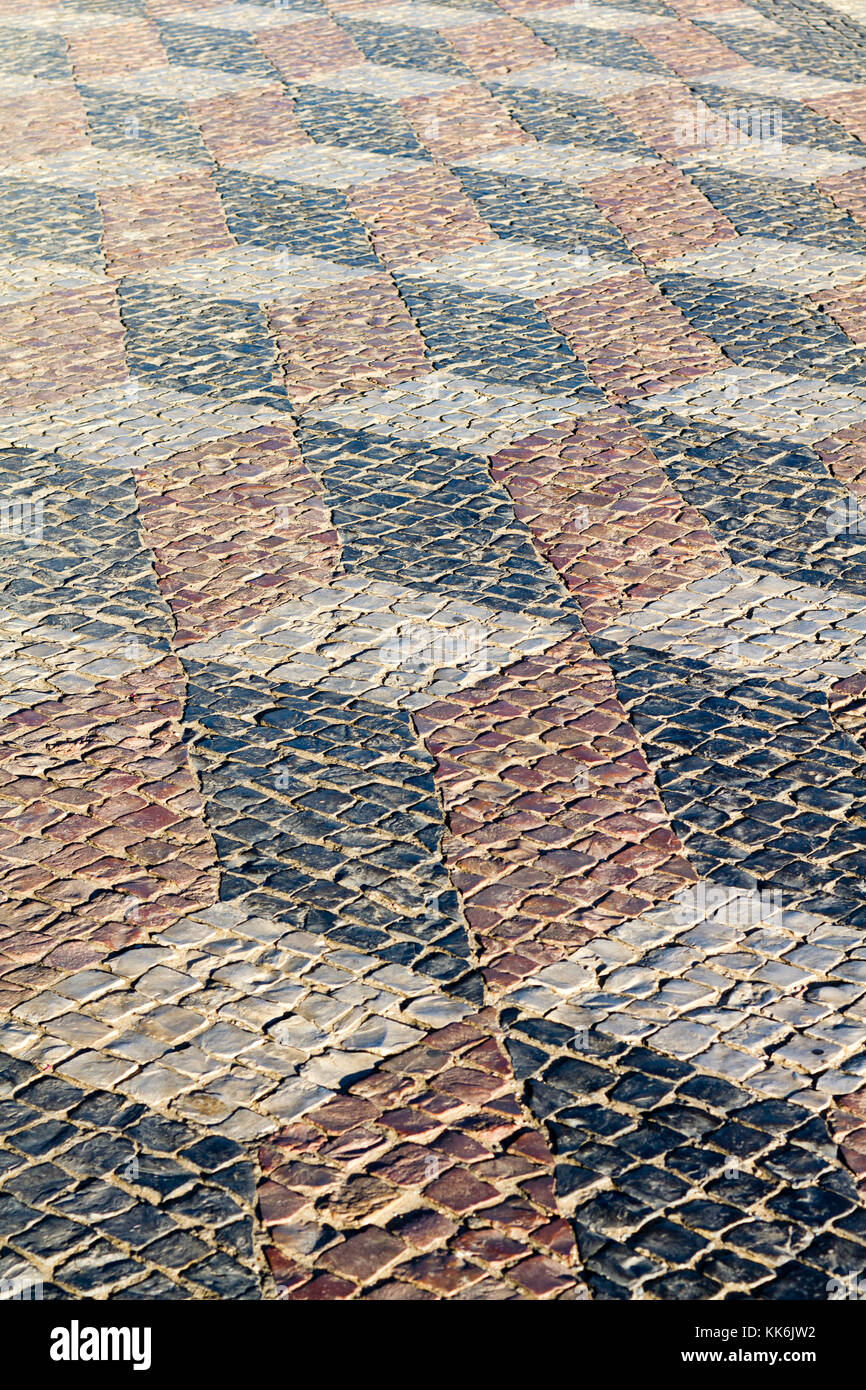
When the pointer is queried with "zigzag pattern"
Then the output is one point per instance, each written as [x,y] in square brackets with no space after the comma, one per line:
[432,850]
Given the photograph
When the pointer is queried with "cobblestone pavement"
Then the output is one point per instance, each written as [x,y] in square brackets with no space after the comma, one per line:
[431,506]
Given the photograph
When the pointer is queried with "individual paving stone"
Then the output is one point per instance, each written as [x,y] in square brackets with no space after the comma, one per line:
[808,521]
[619,539]
[91,1229]
[430,1134]
[416,216]
[162,222]
[631,339]
[751,833]
[377,343]
[659,212]
[432,515]
[555,827]
[237,527]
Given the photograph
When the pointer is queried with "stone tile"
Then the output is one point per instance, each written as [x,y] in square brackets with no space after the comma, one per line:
[783,264]
[90,169]
[747,621]
[555,827]
[457,124]
[379,640]
[59,123]
[115,46]
[133,426]
[327,166]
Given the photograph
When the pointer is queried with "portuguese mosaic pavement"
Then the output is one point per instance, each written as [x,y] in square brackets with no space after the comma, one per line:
[432,845]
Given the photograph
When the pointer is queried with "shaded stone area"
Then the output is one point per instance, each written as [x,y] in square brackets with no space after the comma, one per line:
[324,815]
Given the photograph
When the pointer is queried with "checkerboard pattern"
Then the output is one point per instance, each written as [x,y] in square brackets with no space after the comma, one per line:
[433,522]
